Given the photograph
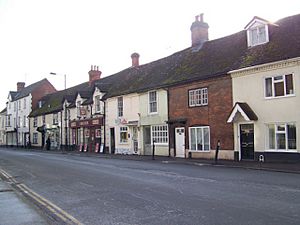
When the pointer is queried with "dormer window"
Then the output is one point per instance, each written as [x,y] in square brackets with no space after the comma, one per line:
[40,104]
[257,32]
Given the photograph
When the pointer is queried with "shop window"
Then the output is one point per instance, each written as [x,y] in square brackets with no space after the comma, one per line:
[123,134]
[160,134]
[282,136]
[199,138]
[35,138]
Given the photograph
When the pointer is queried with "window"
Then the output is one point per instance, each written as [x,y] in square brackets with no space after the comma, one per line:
[19,121]
[35,138]
[279,86]
[78,105]
[40,104]
[24,103]
[25,122]
[120,106]
[152,102]
[258,35]
[43,119]
[160,134]
[97,103]
[123,134]
[55,118]
[199,138]
[8,123]
[282,136]
[198,97]
[35,122]
[15,106]
[19,102]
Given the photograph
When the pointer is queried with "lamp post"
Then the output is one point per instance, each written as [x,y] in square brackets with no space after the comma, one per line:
[65,108]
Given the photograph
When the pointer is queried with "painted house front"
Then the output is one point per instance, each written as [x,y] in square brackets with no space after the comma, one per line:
[123,124]
[265,111]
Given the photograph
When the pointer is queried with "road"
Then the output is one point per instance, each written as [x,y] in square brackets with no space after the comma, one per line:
[114,191]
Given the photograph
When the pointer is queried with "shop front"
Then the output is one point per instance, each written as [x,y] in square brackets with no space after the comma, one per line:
[88,135]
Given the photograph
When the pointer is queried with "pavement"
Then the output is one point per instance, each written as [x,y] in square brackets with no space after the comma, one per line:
[16,210]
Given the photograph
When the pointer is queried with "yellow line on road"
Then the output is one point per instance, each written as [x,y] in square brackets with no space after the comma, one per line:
[67,218]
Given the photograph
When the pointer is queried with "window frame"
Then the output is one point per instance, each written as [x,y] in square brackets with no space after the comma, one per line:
[120,106]
[123,129]
[203,145]
[97,104]
[55,118]
[202,97]
[35,138]
[256,28]
[276,132]
[273,82]
[151,102]
[35,122]
[160,134]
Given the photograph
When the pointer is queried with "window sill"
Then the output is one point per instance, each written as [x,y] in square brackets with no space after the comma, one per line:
[281,151]
[279,97]
[202,151]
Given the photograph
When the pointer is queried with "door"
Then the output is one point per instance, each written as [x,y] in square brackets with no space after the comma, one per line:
[135,139]
[112,141]
[247,141]
[180,142]
[147,141]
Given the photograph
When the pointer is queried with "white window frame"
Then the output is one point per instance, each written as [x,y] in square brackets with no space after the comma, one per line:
[152,102]
[198,97]
[123,130]
[190,139]
[35,138]
[120,106]
[97,103]
[55,118]
[275,149]
[24,103]
[35,122]
[256,29]
[160,133]
[78,106]
[278,81]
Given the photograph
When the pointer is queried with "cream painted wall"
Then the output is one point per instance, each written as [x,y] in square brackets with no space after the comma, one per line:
[130,113]
[158,118]
[248,86]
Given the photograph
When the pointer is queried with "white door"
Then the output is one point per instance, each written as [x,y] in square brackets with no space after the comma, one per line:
[179,142]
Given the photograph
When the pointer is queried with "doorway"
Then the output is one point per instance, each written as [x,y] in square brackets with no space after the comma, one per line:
[247,141]
[147,140]
[180,142]
[112,141]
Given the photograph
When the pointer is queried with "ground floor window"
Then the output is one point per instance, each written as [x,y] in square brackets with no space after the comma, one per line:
[282,136]
[160,134]
[35,138]
[199,138]
[123,134]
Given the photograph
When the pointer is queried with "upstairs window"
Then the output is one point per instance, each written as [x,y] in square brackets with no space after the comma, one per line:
[43,119]
[19,104]
[24,121]
[78,106]
[257,35]
[120,106]
[24,103]
[278,86]
[152,102]
[97,103]
[35,122]
[198,97]
[55,118]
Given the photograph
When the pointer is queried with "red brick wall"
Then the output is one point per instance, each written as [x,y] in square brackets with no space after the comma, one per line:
[214,115]
[45,88]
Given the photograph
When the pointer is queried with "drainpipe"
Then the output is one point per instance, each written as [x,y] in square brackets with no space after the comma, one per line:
[61,130]
[104,127]
[169,126]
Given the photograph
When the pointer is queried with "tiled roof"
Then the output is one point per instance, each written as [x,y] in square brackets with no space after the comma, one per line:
[3,110]
[214,58]
[13,95]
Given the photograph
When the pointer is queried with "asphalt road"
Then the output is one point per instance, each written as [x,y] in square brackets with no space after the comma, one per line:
[111,191]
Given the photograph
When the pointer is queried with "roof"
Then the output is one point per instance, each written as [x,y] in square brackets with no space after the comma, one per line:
[13,95]
[27,90]
[3,110]
[215,58]
[244,109]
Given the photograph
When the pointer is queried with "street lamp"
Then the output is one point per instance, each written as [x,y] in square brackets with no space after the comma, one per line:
[65,76]
[65,108]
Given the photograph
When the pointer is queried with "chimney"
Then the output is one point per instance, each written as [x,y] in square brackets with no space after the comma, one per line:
[199,31]
[135,59]
[94,74]
[20,86]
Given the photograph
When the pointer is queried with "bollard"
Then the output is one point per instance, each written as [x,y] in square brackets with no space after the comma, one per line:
[153,149]
[217,151]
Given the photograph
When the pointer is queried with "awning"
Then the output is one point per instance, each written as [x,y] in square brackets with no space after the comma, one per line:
[244,109]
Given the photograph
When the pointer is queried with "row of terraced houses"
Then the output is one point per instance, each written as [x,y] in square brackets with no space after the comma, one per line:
[241,90]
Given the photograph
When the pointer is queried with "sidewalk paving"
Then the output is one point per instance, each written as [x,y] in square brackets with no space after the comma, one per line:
[15,210]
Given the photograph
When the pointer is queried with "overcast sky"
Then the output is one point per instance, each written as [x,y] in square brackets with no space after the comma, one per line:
[68,36]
